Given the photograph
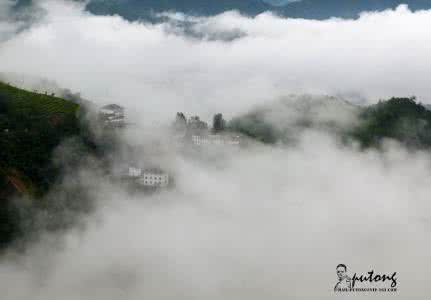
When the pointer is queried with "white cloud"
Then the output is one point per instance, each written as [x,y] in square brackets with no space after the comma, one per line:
[266,223]
[109,59]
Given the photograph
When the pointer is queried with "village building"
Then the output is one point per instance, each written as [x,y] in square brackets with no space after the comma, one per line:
[216,140]
[112,115]
[154,178]
[134,172]
[148,177]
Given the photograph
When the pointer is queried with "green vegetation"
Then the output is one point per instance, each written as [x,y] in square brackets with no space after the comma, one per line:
[284,121]
[219,124]
[21,101]
[35,129]
[401,119]
[255,126]
[32,125]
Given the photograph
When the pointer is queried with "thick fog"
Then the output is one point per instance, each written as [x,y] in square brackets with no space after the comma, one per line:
[151,67]
[265,222]
[262,224]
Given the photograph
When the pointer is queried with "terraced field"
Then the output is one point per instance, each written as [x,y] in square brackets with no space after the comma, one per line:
[32,125]
[22,101]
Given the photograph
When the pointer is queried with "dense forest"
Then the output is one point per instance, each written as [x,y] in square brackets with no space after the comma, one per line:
[31,126]
[401,119]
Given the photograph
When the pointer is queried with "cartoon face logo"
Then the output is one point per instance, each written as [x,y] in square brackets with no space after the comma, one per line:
[344,281]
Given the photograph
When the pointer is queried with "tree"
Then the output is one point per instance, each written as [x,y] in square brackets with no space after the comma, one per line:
[219,124]
[180,123]
[181,118]
[195,123]
[401,119]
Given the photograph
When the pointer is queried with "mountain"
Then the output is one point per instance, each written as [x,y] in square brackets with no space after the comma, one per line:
[286,119]
[314,9]
[32,125]
[136,9]
[400,119]
[308,9]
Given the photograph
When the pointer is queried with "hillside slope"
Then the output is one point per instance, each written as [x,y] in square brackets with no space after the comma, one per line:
[401,119]
[285,120]
[31,126]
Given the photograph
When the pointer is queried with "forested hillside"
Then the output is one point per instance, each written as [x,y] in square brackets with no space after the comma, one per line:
[31,126]
[402,119]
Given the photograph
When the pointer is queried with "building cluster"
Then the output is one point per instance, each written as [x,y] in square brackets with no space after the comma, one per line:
[113,116]
[193,132]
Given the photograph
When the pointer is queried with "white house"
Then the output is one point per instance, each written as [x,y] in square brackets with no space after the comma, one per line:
[154,178]
[112,114]
[112,109]
[147,177]
[216,140]
[134,172]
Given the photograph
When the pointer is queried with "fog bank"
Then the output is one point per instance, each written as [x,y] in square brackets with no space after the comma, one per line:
[150,67]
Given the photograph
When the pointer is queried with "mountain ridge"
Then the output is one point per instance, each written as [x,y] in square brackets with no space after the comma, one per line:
[307,9]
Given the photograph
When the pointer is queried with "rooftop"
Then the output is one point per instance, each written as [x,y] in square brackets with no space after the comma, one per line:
[113,107]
